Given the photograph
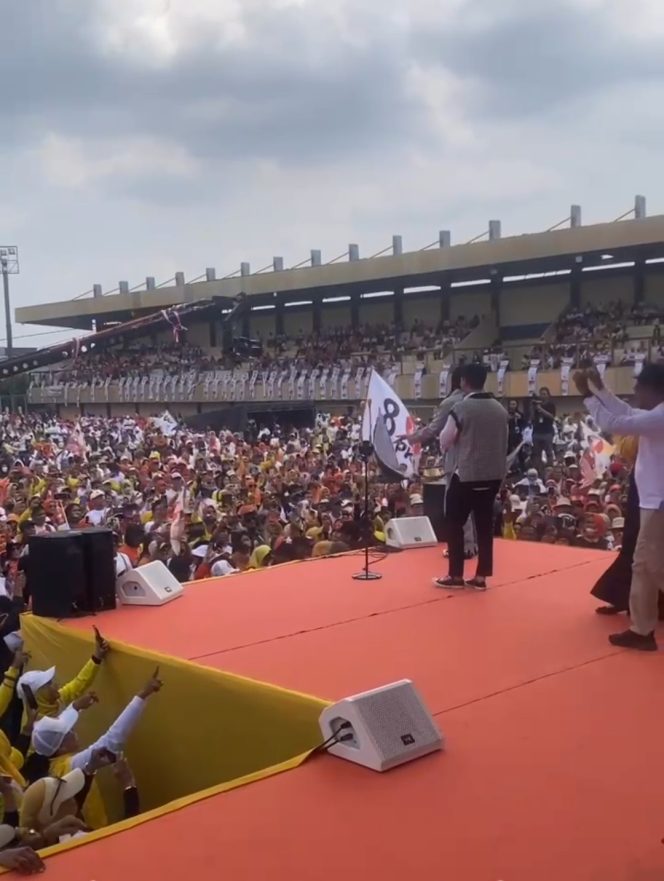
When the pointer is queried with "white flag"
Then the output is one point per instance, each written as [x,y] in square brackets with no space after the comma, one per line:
[384,420]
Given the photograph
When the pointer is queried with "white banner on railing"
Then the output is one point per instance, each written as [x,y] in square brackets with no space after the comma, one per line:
[323,383]
[565,370]
[532,376]
[291,383]
[359,375]
[313,376]
[281,376]
[417,382]
[392,376]
[500,377]
[300,384]
[334,383]
[443,382]
[639,357]
[344,385]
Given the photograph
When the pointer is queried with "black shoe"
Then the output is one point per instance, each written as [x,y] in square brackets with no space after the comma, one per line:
[608,610]
[477,583]
[449,583]
[628,639]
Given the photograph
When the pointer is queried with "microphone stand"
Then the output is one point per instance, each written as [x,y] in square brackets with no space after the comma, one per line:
[366,451]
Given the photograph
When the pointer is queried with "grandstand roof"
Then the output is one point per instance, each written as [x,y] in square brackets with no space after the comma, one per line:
[536,252]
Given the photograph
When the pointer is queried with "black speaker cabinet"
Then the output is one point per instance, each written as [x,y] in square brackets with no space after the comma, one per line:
[99,556]
[72,573]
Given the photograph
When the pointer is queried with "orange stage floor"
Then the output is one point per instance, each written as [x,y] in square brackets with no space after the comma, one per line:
[553,765]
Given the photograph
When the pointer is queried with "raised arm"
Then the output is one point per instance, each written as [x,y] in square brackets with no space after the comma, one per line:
[429,432]
[115,738]
[86,676]
[634,422]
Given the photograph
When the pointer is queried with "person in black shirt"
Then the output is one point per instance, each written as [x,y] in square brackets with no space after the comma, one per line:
[516,423]
[543,416]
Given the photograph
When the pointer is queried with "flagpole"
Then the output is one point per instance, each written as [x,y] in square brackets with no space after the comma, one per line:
[366,451]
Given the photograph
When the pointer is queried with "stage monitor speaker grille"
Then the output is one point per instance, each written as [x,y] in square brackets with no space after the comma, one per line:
[382,728]
[410,532]
[149,585]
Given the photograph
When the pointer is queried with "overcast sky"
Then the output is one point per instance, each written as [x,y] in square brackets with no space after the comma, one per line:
[141,137]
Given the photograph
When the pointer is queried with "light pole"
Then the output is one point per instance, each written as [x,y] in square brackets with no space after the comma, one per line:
[9,265]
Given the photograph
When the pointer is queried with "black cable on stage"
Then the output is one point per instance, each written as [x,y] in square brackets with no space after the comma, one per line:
[334,738]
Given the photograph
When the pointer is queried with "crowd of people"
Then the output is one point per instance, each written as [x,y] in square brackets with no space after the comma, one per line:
[370,345]
[49,792]
[594,334]
[208,503]
[219,503]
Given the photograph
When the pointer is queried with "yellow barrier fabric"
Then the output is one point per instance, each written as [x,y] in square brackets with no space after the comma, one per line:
[205,732]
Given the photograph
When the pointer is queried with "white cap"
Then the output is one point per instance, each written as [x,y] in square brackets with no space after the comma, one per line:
[34,679]
[51,793]
[48,733]
[97,494]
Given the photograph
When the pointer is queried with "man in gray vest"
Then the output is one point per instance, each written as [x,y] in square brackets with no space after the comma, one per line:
[476,430]
[427,433]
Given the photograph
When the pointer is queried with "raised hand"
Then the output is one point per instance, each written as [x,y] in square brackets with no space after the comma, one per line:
[581,382]
[86,701]
[152,686]
[102,648]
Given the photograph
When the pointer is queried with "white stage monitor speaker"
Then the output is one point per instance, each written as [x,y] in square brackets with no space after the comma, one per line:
[381,729]
[149,585]
[410,532]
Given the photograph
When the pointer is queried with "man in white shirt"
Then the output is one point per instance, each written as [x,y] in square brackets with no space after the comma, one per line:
[97,512]
[532,483]
[646,422]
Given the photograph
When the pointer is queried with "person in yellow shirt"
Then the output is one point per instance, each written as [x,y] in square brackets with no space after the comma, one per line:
[10,679]
[52,698]
[11,760]
[56,740]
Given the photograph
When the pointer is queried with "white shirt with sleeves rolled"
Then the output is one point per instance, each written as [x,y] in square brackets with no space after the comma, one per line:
[617,417]
[116,736]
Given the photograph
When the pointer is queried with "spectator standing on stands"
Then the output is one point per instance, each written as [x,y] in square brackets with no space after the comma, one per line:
[543,417]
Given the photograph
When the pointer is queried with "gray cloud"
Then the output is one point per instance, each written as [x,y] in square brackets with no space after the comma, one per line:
[313,130]
[266,97]
[530,59]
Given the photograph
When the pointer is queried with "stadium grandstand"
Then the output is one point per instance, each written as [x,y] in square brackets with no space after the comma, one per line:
[532,307]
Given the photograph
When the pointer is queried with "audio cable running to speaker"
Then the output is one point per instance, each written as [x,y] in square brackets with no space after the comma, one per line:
[334,738]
